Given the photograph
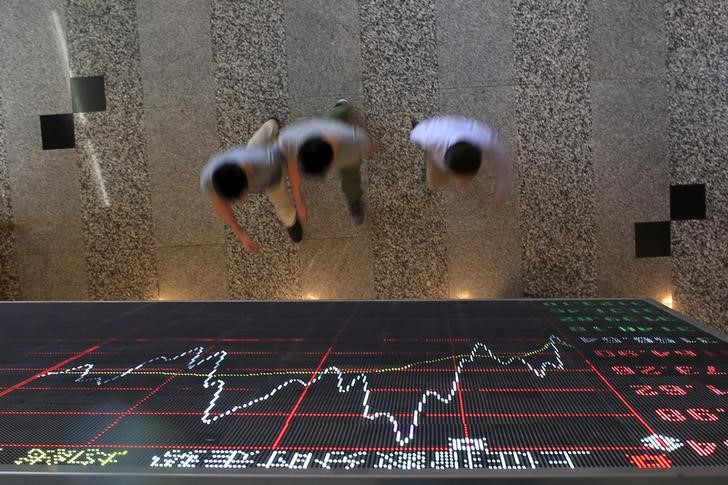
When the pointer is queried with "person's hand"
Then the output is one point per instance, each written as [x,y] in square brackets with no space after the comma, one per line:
[372,149]
[302,213]
[249,244]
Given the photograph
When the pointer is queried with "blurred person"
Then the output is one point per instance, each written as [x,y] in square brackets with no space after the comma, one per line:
[319,145]
[258,166]
[457,147]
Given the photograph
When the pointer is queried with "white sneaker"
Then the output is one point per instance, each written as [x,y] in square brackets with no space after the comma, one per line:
[277,126]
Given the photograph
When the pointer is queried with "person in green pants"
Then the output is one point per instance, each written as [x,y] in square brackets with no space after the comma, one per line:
[318,145]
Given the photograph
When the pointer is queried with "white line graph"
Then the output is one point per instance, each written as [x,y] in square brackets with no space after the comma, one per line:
[344,384]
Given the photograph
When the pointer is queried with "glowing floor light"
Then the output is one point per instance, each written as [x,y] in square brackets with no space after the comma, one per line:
[667,301]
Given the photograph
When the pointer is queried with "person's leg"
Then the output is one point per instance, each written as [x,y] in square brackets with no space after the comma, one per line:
[351,186]
[282,203]
[339,111]
[285,210]
[435,176]
[265,135]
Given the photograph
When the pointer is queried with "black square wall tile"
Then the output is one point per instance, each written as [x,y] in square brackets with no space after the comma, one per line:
[687,202]
[57,131]
[652,239]
[88,94]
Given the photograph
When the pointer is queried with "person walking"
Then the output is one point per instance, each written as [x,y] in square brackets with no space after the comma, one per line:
[319,145]
[457,147]
[258,166]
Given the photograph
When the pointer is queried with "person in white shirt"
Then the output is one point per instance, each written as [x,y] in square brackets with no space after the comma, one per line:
[457,147]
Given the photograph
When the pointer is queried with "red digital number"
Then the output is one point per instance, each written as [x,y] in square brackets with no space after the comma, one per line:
[628,353]
[698,414]
[671,390]
[667,389]
[604,353]
[686,353]
[644,390]
[649,370]
[686,370]
[623,370]
[689,370]
[650,461]
[645,370]
[715,390]
[636,353]
[667,414]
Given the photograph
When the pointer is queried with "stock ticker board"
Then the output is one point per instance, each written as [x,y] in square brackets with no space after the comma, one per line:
[360,386]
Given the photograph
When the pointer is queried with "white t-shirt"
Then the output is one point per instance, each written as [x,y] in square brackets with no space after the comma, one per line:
[435,135]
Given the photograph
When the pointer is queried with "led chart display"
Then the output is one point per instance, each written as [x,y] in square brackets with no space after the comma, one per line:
[360,386]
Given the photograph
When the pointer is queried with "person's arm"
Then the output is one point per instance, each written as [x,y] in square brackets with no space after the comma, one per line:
[417,136]
[422,134]
[294,176]
[372,149]
[225,211]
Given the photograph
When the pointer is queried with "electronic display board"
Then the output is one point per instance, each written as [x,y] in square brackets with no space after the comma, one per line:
[385,386]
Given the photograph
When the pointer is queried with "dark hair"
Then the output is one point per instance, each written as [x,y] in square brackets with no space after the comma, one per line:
[315,156]
[463,158]
[229,180]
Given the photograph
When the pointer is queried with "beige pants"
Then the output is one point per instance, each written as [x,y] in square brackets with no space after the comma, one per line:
[435,176]
[278,194]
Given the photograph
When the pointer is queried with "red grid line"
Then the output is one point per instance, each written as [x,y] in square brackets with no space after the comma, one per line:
[609,384]
[88,389]
[463,420]
[493,389]
[621,398]
[109,352]
[126,413]
[49,369]
[312,415]
[376,389]
[431,353]
[98,369]
[300,398]
[306,370]
[100,388]
[494,338]
[284,428]
[469,370]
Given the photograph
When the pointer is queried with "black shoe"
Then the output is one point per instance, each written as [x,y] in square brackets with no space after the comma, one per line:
[356,211]
[296,232]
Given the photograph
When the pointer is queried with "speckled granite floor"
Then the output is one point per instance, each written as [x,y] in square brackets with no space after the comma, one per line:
[604,104]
